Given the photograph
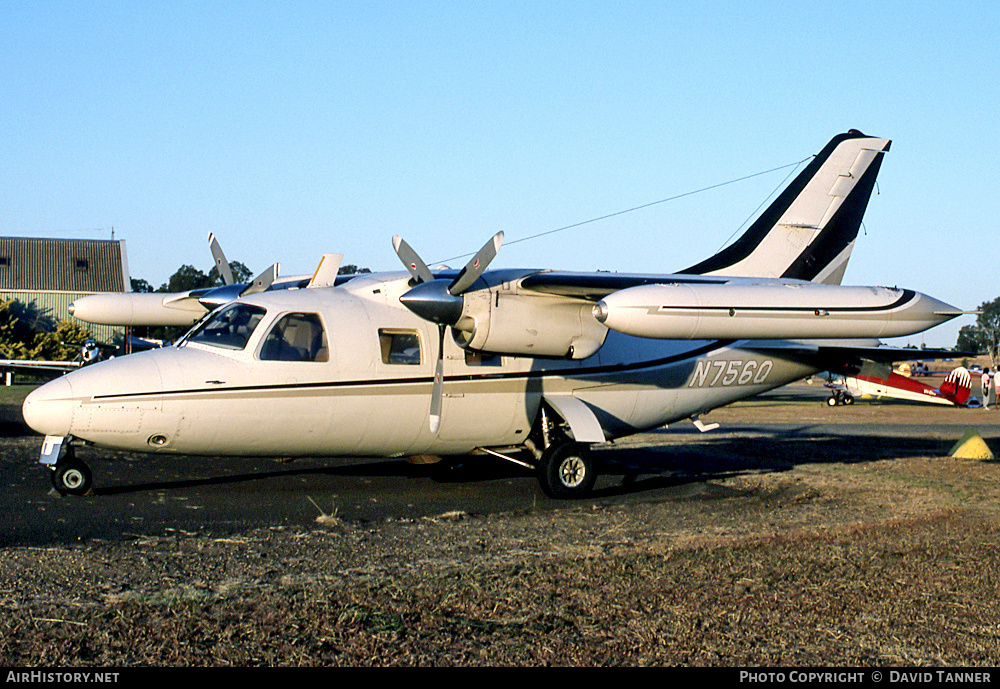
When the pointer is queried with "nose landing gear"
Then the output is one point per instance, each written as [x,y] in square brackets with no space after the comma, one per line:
[70,476]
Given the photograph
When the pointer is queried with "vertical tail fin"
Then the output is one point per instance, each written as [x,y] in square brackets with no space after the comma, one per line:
[809,230]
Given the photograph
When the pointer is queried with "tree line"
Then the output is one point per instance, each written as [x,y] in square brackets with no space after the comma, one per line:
[984,336]
[28,333]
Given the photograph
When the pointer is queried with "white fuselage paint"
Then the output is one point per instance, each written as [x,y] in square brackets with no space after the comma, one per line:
[200,399]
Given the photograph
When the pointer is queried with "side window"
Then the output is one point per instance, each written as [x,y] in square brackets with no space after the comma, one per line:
[399,346]
[296,337]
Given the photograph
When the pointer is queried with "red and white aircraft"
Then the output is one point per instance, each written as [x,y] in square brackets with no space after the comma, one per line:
[878,380]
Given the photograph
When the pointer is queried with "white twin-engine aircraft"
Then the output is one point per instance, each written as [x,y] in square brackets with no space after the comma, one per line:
[533,366]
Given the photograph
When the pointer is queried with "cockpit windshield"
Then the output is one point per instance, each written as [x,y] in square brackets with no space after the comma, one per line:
[229,328]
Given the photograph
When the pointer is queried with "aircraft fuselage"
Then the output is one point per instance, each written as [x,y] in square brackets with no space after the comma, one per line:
[364,398]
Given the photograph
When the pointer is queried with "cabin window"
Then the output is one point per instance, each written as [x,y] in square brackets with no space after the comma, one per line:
[296,337]
[230,327]
[399,346]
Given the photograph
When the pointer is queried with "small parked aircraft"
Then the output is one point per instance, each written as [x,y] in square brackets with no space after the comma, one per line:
[878,380]
[90,353]
[533,366]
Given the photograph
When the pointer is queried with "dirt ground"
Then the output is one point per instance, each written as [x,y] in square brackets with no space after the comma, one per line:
[868,555]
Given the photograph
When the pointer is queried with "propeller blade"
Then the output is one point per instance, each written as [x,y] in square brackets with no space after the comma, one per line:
[437,391]
[220,260]
[441,303]
[477,266]
[418,269]
[262,281]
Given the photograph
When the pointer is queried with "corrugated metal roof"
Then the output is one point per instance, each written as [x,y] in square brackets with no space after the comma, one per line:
[63,265]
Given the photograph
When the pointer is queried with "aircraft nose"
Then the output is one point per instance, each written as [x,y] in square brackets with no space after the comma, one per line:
[49,409]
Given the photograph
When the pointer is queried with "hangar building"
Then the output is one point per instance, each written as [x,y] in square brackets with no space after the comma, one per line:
[46,275]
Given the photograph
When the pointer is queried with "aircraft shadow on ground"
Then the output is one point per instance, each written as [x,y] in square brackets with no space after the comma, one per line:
[389,468]
[631,469]
[663,466]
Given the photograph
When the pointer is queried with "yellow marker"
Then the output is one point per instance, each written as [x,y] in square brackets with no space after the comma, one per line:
[971,446]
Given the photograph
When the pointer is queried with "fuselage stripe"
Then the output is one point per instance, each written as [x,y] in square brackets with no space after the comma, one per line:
[423,380]
[907,296]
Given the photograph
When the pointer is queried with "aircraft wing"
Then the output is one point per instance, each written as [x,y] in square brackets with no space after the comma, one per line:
[885,354]
[841,353]
[29,365]
[685,306]
[596,286]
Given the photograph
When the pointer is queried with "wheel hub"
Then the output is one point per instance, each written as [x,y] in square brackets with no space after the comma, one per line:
[572,472]
[73,479]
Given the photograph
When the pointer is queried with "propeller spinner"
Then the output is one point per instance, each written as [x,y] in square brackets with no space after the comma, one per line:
[440,301]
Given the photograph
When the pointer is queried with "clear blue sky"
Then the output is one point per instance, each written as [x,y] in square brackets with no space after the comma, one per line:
[291,129]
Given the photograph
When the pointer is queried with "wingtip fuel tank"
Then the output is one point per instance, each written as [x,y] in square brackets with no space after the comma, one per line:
[783,310]
[138,308]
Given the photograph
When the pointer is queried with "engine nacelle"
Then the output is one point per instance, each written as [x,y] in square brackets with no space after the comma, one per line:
[527,325]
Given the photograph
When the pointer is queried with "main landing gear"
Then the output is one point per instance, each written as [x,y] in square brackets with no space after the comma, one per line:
[566,470]
[839,397]
[565,467]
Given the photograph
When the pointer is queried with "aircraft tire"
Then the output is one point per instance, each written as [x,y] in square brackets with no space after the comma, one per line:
[848,399]
[72,477]
[831,401]
[566,471]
